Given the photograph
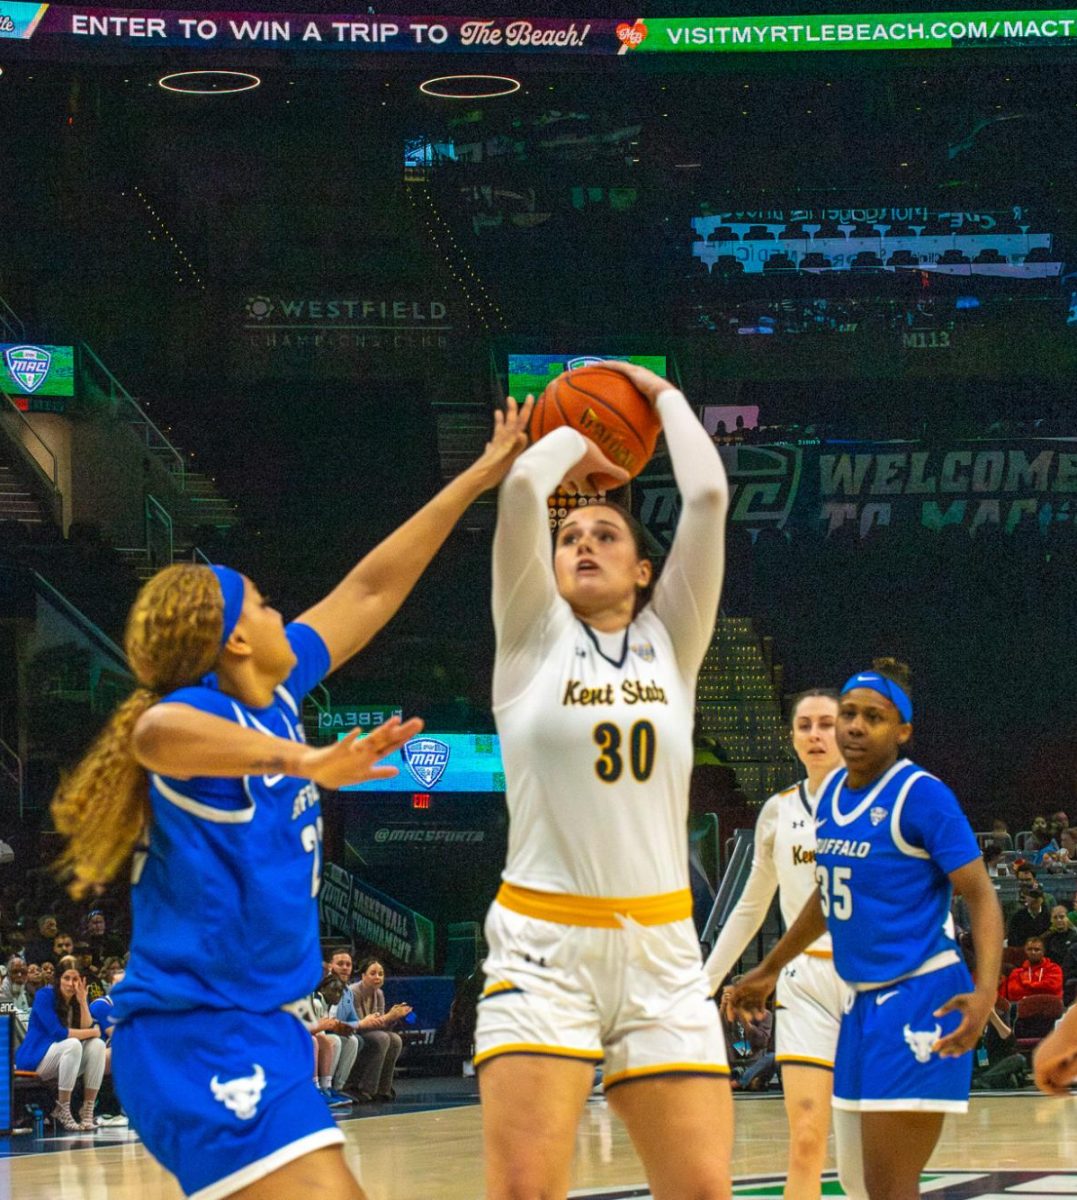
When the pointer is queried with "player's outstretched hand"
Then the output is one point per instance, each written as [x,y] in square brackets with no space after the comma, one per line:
[580,477]
[650,384]
[355,759]
[974,1009]
[748,999]
[1054,1064]
[507,442]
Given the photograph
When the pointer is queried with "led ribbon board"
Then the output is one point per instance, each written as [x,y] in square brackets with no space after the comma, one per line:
[146,28]
[443,762]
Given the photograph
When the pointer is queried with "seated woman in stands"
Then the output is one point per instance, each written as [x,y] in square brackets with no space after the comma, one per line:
[62,1043]
[381,1046]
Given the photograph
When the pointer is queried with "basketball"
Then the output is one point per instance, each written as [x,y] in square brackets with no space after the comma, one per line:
[606,407]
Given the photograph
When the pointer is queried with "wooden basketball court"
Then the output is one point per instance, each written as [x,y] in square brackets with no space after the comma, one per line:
[1016,1147]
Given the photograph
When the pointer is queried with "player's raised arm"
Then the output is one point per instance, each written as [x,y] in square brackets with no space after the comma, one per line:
[369,595]
[687,592]
[523,576]
[180,741]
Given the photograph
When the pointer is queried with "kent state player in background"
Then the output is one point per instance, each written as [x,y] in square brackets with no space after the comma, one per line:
[891,841]
[203,775]
[811,997]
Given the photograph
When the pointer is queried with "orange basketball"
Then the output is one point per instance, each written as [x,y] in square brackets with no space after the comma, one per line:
[606,407]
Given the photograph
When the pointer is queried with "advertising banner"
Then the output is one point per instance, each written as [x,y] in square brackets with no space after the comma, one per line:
[89,27]
[338,719]
[360,913]
[287,334]
[390,839]
[855,31]
[1002,484]
[38,378]
[443,762]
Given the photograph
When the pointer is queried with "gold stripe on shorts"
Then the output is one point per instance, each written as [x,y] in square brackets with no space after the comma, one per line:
[591,1056]
[596,912]
[819,953]
[675,1068]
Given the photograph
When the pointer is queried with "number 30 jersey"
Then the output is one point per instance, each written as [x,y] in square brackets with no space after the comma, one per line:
[598,753]
[224,896]
[883,856]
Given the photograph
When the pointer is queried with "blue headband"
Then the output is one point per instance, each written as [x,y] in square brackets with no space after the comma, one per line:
[232,591]
[885,687]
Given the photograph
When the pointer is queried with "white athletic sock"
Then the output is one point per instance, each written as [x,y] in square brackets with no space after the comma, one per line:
[325,1082]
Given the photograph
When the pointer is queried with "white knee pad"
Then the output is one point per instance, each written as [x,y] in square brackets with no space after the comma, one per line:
[849,1150]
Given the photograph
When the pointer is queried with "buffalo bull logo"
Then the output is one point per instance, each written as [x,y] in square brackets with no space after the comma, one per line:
[29,366]
[426,758]
[922,1041]
[242,1095]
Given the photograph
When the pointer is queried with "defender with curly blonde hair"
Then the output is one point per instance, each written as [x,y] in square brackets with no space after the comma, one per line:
[203,781]
[102,807]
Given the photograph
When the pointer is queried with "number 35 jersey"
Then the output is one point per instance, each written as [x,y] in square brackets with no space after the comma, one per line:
[883,856]
[597,748]
[224,896]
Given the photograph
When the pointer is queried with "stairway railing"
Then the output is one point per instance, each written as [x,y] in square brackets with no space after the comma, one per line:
[11,766]
[11,322]
[127,406]
[34,453]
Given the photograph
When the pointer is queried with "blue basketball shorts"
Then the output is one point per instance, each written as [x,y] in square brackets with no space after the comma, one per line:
[885,1060]
[221,1098]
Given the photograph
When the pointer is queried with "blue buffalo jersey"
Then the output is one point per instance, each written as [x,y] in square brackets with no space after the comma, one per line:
[883,856]
[224,897]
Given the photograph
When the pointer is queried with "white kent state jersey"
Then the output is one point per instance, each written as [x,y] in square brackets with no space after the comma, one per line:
[783,861]
[598,755]
[596,729]
[791,827]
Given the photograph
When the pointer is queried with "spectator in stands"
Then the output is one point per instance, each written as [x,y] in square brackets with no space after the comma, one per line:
[1068,842]
[101,1008]
[103,945]
[1058,858]
[39,948]
[381,1046]
[1060,818]
[1042,843]
[63,944]
[1000,833]
[1036,976]
[48,973]
[83,955]
[1030,921]
[33,979]
[1060,936]
[14,993]
[62,1043]
[998,1062]
[993,860]
[749,1048]
[1026,880]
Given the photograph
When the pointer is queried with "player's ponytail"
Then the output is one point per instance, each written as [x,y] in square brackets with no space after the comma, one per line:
[102,805]
[896,671]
